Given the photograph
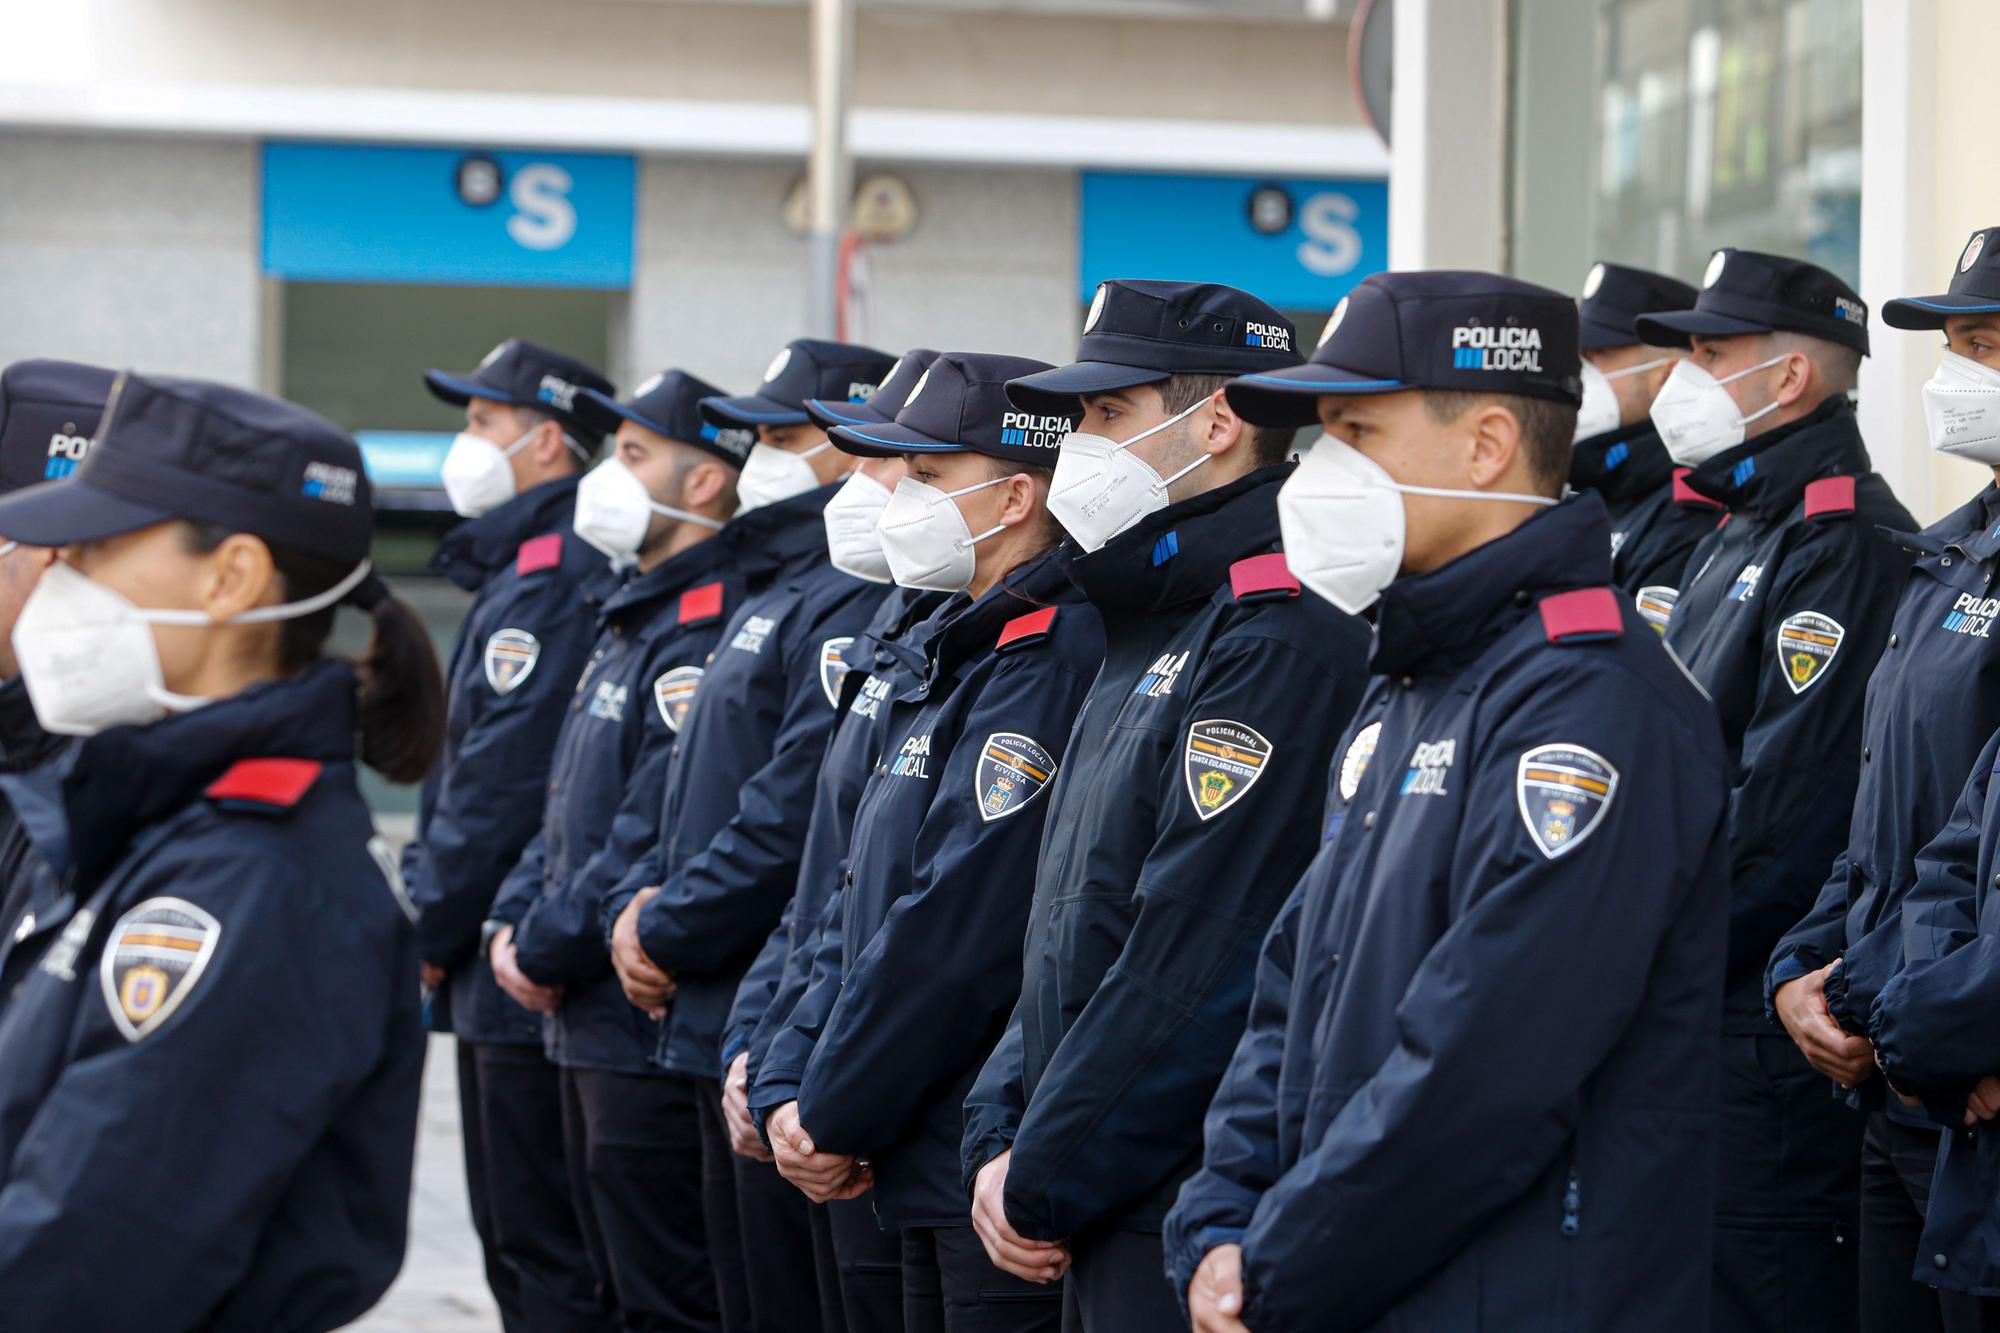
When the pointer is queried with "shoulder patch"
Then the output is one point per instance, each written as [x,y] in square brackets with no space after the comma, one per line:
[673,693]
[152,960]
[833,667]
[1024,630]
[265,784]
[539,553]
[698,605]
[1012,770]
[1830,497]
[1583,616]
[1685,494]
[511,655]
[1263,578]
[1354,763]
[1807,642]
[1222,763]
[1563,792]
[1655,603]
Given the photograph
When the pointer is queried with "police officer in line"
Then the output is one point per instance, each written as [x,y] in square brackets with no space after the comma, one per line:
[857,1264]
[512,472]
[209,1067]
[1781,617]
[1172,832]
[48,414]
[630,1137]
[1934,695]
[920,964]
[1476,1087]
[690,916]
[1655,519]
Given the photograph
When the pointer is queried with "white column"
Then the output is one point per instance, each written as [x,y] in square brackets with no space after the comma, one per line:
[1447,166]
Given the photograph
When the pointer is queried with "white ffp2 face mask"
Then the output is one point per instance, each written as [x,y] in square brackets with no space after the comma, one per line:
[852,517]
[476,477]
[771,475]
[614,511]
[1101,487]
[1962,409]
[1342,520]
[88,658]
[926,537]
[1599,412]
[1696,417]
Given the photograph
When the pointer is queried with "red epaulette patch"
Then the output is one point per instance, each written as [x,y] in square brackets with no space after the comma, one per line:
[1262,578]
[1685,494]
[537,553]
[1024,630]
[700,604]
[274,784]
[1583,615]
[1829,497]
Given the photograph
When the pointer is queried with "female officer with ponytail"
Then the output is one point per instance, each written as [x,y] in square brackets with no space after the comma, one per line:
[209,1067]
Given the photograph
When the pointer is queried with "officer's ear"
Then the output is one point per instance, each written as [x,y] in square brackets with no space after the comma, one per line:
[1225,430]
[238,575]
[1798,374]
[1022,497]
[546,451]
[703,486]
[1494,441]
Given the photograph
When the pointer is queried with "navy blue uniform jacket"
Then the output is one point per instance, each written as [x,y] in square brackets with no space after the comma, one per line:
[1656,519]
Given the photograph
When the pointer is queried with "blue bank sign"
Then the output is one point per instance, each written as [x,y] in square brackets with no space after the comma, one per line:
[1299,244]
[357,213]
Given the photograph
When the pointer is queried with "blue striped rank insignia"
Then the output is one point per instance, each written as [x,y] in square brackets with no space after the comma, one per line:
[154,956]
[833,667]
[1011,769]
[1563,792]
[1223,761]
[673,692]
[511,655]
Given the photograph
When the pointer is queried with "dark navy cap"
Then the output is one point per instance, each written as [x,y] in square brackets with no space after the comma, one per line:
[208,453]
[1745,291]
[962,402]
[669,404]
[806,368]
[1144,332]
[1975,288]
[1614,297]
[1441,329]
[48,416]
[524,374]
[826,413]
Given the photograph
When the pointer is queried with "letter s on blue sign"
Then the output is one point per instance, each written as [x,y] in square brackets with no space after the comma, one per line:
[544,218]
[1332,245]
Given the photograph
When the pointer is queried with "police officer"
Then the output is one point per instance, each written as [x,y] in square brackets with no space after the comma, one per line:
[923,956]
[48,414]
[690,916]
[1934,695]
[1784,611]
[512,472]
[1475,1091]
[1655,519]
[629,1132]
[209,1068]
[1172,835]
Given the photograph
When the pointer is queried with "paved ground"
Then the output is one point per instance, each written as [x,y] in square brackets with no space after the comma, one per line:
[441,1288]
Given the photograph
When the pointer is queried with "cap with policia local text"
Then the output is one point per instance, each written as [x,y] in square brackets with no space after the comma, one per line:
[209,453]
[1145,332]
[669,404]
[1614,297]
[1974,290]
[888,399]
[1745,291]
[806,368]
[1443,329]
[962,402]
[48,415]
[523,374]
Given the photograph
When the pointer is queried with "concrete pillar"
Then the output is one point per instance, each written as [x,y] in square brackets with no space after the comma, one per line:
[1447,168]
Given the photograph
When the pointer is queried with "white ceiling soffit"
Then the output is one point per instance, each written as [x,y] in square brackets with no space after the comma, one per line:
[1226,11]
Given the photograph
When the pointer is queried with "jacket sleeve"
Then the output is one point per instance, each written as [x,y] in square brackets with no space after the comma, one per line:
[1120,1105]
[1815,939]
[165,1158]
[522,888]
[1241,1156]
[942,973]
[1533,945]
[759,987]
[995,1105]
[794,1034]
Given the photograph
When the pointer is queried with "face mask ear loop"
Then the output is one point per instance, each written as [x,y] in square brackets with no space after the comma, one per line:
[1151,431]
[1639,369]
[1160,487]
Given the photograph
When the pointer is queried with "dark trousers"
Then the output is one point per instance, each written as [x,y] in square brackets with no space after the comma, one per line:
[499,1277]
[534,1215]
[1788,1195]
[868,1267]
[759,1233]
[634,1151]
[1896,1165]
[950,1286]
[1117,1283]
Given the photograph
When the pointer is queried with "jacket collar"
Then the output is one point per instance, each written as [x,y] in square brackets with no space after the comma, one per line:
[1622,465]
[478,548]
[891,636]
[779,540]
[23,743]
[1182,553]
[1438,623]
[641,594]
[1768,476]
[1973,529]
[964,630]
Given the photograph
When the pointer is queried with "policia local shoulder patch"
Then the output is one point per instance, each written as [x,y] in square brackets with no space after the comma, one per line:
[152,961]
[1563,792]
[1223,761]
[1806,645]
